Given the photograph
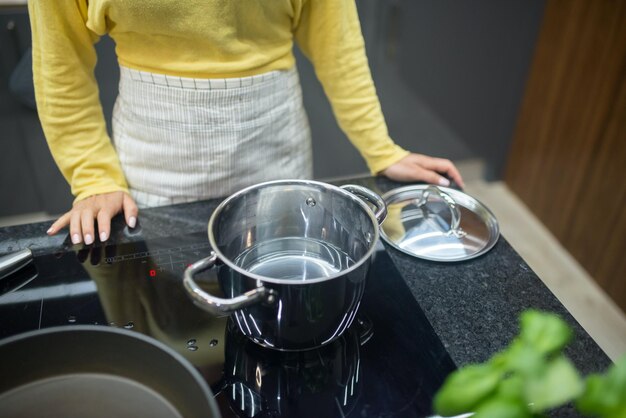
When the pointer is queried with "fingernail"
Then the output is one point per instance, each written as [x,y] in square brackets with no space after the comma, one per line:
[75,239]
[132,221]
[444,182]
[49,231]
[103,236]
[88,239]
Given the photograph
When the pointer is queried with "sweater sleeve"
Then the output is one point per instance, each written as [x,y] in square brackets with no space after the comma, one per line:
[67,97]
[329,34]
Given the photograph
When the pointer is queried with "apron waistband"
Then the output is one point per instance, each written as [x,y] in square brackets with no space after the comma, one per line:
[197,83]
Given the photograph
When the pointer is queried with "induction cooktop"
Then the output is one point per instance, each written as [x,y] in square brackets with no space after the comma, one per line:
[389,363]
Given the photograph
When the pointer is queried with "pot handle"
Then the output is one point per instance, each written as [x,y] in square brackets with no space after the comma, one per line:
[219,306]
[371,198]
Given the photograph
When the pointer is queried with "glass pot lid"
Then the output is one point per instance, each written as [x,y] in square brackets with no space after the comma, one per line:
[438,223]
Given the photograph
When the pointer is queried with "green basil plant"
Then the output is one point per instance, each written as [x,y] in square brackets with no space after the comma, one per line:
[532,376]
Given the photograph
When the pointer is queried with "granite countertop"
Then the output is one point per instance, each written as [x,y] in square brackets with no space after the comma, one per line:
[472,305]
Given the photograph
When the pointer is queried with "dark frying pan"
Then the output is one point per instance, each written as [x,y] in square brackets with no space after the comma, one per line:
[97,371]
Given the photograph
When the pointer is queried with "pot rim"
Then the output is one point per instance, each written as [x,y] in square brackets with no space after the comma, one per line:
[323,185]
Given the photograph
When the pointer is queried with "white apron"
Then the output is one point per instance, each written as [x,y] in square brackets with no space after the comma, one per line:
[184,139]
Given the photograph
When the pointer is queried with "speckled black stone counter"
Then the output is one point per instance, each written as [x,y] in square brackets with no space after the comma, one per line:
[472,305]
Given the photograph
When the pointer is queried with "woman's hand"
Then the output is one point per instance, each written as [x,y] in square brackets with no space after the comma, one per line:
[418,167]
[102,207]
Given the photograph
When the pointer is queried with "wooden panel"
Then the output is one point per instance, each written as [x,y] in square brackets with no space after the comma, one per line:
[600,223]
[568,157]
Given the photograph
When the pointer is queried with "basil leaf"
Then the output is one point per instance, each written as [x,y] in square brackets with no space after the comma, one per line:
[545,331]
[502,408]
[525,359]
[465,388]
[512,388]
[558,384]
[605,395]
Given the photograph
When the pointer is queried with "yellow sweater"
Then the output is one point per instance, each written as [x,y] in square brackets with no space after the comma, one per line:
[192,38]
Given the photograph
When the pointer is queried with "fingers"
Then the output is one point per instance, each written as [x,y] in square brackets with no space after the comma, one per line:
[130,210]
[104,224]
[86,223]
[417,167]
[75,230]
[442,165]
[59,224]
[432,177]
[98,207]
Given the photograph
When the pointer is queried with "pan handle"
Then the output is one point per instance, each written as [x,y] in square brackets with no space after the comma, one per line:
[371,198]
[220,306]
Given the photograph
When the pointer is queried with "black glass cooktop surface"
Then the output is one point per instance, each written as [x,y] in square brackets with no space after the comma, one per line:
[388,364]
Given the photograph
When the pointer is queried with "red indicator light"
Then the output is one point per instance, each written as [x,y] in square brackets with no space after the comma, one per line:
[152,273]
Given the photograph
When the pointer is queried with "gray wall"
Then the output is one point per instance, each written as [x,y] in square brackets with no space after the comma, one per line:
[450,76]
[411,122]
[468,60]
[30,180]
[20,133]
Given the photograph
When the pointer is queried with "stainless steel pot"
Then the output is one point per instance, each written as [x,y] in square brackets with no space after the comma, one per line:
[294,257]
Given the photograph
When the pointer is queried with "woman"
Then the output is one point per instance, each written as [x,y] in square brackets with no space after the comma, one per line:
[209,100]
